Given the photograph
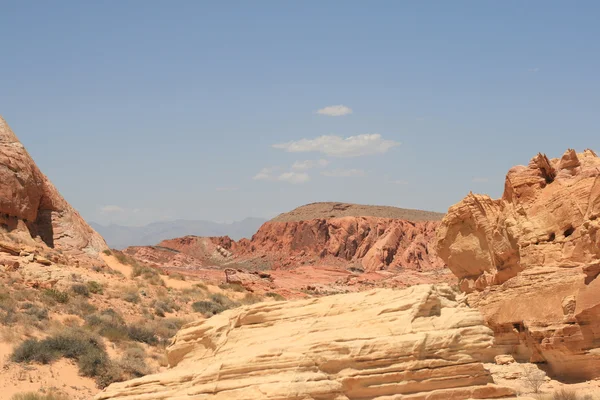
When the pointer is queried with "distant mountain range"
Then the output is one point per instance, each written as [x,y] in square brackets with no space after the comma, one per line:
[119,237]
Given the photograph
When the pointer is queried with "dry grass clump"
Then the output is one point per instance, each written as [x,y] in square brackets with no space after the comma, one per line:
[40,396]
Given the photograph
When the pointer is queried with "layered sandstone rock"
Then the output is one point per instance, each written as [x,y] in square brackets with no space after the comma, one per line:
[530,261]
[31,207]
[418,343]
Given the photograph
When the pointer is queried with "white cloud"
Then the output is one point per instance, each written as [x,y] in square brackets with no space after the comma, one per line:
[265,174]
[344,173]
[337,146]
[111,209]
[335,111]
[400,182]
[226,189]
[480,180]
[272,174]
[294,177]
[534,70]
[308,164]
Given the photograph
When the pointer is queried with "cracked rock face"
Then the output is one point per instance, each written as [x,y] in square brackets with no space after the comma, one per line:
[530,261]
[416,343]
[31,207]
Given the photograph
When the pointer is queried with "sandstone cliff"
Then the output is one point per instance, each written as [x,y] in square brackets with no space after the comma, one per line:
[418,343]
[530,261]
[32,210]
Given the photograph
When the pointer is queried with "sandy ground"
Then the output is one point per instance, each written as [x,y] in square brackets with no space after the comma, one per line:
[61,375]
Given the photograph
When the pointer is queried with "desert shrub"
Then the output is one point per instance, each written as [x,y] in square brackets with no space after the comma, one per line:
[131,297]
[201,286]
[565,394]
[56,295]
[236,287]
[7,302]
[40,396]
[166,328]
[107,252]
[534,378]
[177,275]
[207,308]
[81,307]
[109,324]
[142,334]
[133,363]
[36,312]
[76,344]
[251,298]
[276,296]
[223,300]
[80,289]
[95,287]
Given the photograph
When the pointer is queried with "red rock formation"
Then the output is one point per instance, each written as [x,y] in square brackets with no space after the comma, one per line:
[530,260]
[374,243]
[31,207]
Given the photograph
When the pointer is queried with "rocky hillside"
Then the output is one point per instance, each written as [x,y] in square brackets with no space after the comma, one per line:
[32,211]
[531,259]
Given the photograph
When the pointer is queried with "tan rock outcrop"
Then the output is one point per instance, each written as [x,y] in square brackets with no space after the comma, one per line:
[417,343]
[530,261]
[31,207]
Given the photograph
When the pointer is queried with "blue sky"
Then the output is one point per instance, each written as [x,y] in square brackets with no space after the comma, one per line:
[141,111]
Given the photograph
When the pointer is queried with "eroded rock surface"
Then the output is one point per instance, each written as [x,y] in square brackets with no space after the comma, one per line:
[416,343]
[530,261]
[32,210]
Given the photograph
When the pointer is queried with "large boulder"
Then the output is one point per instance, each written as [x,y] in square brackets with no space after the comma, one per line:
[530,260]
[31,207]
[417,343]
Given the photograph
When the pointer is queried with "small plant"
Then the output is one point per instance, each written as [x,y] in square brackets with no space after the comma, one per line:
[251,298]
[133,363]
[107,252]
[207,308]
[132,297]
[95,287]
[178,276]
[564,394]
[81,289]
[534,378]
[40,396]
[275,296]
[142,334]
[236,287]
[109,324]
[38,313]
[57,295]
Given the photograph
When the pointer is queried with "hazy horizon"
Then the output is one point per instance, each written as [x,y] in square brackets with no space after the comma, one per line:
[142,112]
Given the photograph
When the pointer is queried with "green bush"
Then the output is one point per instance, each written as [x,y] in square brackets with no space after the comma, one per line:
[107,252]
[57,295]
[95,287]
[251,298]
[80,289]
[276,296]
[223,300]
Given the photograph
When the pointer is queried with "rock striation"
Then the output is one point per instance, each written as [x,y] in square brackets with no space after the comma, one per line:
[417,343]
[32,209]
[530,261]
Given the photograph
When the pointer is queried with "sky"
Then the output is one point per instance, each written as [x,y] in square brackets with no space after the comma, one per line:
[142,111]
